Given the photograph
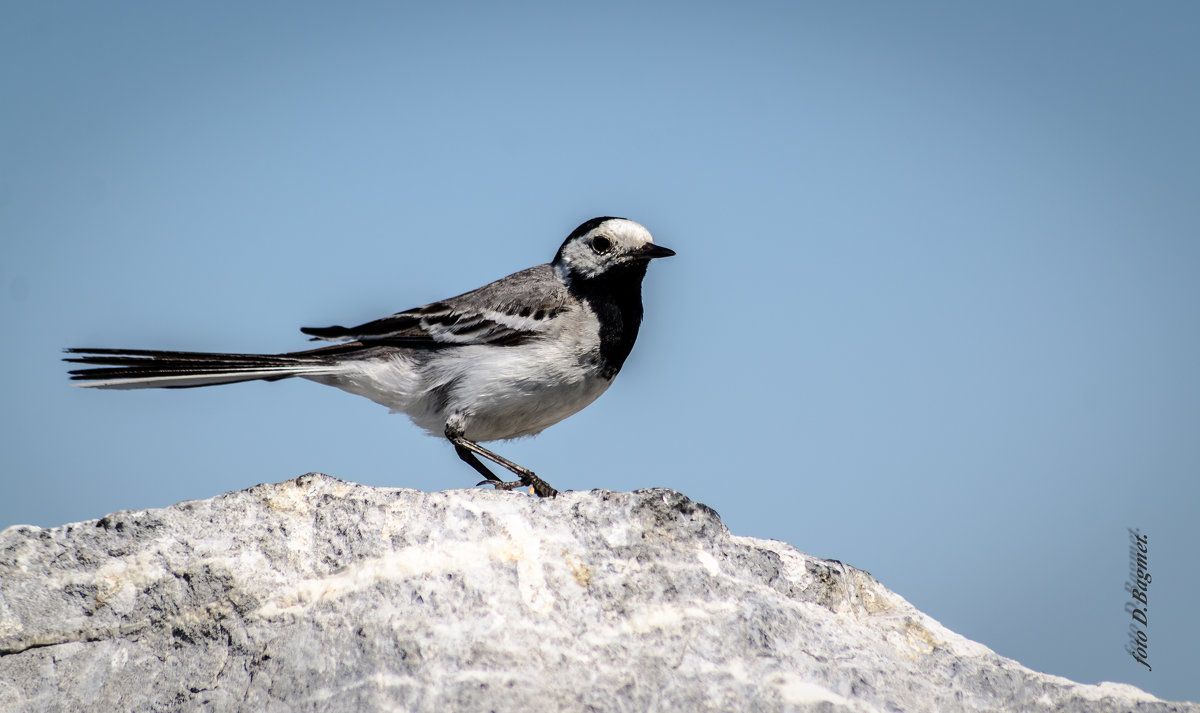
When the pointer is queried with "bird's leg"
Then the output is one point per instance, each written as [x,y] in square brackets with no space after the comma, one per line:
[467,450]
[470,459]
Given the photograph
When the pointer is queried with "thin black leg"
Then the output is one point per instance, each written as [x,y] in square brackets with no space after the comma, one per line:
[470,459]
[467,450]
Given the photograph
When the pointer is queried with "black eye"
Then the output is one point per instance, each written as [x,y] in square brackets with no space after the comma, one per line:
[601,244]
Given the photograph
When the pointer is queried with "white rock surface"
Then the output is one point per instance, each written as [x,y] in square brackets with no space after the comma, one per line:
[320,595]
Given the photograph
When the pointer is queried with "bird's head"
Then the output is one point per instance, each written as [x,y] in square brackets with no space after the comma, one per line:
[607,247]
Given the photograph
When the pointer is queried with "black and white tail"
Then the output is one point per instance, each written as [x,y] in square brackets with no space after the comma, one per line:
[149,368]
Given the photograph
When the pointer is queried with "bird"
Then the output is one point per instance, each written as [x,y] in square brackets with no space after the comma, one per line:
[504,361]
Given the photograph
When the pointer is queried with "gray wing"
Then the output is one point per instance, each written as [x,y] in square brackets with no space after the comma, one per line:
[507,312]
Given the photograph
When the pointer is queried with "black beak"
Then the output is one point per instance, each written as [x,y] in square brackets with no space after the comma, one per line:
[649,251]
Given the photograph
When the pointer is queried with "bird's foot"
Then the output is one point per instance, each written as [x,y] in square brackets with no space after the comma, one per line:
[539,487]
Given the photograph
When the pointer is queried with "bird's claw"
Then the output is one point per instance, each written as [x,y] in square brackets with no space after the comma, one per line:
[539,487]
[500,484]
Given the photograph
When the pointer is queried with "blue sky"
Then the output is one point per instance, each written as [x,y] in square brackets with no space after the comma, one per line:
[934,310]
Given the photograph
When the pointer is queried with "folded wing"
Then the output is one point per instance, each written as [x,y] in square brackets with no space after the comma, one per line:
[507,312]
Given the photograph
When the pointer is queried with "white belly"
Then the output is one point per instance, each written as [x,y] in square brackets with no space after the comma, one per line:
[497,392]
[517,391]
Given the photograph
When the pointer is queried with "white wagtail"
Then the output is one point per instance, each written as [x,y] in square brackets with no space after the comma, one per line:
[504,361]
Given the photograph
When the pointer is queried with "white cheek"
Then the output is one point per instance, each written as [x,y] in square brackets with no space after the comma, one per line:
[583,262]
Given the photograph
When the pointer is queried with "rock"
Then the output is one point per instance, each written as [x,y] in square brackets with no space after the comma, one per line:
[320,595]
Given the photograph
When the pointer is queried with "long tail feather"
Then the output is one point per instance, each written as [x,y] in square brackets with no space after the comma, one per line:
[148,368]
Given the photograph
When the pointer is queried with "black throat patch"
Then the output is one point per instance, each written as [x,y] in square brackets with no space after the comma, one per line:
[616,298]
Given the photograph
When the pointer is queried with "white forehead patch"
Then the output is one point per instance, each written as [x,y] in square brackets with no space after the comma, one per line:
[624,231]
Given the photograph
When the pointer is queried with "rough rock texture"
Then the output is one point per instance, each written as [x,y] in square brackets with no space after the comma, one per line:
[320,595]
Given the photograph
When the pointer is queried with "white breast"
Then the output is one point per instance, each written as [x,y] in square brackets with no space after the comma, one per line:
[510,392]
[499,392]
